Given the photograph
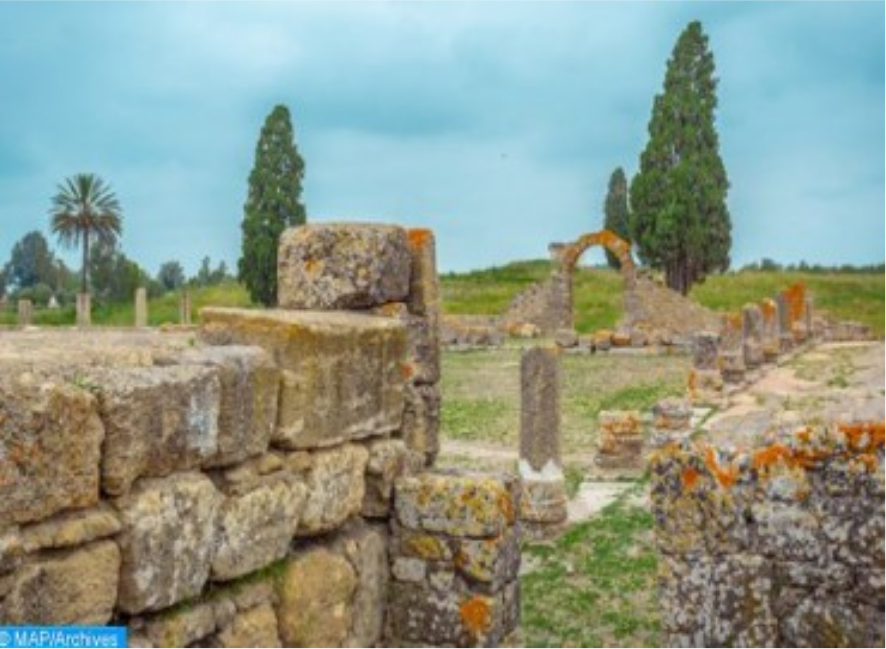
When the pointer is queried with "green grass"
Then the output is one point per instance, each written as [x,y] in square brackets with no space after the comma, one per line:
[598,292]
[161,310]
[595,586]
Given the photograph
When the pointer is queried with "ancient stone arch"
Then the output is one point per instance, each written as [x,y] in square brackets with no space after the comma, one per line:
[549,305]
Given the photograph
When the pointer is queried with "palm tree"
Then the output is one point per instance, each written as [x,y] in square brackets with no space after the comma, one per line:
[85,208]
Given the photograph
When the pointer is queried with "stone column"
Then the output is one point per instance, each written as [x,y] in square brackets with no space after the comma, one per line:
[141,307]
[705,383]
[730,359]
[810,325]
[541,467]
[771,346]
[752,336]
[25,313]
[84,309]
[783,312]
[184,308]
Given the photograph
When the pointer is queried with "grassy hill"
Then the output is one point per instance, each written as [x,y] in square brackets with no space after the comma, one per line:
[598,292]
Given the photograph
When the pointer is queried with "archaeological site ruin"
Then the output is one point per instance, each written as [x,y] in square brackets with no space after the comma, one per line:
[269,477]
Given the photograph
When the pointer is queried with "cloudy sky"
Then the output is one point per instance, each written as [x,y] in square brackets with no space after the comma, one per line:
[496,124]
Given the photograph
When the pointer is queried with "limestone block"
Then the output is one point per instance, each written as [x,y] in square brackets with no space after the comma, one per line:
[492,561]
[255,527]
[250,386]
[705,346]
[450,619]
[76,586]
[316,595]
[544,502]
[672,414]
[621,338]
[422,342]
[566,338]
[342,373]
[256,627]
[335,482]
[388,460]
[602,340]
[330,266]
[462,505]
[168,540]
[732,366]
[424,293]
[71,528]
[50,448]
[181,627]
[157,420]
[421,421]
[366,548]
[704,386]
[540,408]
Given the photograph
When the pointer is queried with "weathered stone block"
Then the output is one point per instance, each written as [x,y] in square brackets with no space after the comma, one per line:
[672,414]
[424,291]
[181,627]
[732,366]
[316,600]
[544,502]
[619,432]
[705,346]
[168,540]
[71,528]
[329,266]
[157,420]
[255,527]
[78,586]
[255,627]
[491,561]
[366,548]
[421,421]
[336,488]
[342,373]
[460,505]
[50,445]
[250,387]
[566,338]
[388,460]
[422,364]
[602,340]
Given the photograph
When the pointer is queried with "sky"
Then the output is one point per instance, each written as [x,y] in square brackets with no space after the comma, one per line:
[495,124]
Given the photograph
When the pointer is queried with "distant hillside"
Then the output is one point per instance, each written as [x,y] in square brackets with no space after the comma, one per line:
[598,293]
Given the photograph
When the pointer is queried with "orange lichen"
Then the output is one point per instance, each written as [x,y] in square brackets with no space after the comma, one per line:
[689,477]
[406,371]
[476,615]
[865,437]
[766,457]
[725,475]
[609,240]
[419,238]
[767,308]
[311,266]
[795,297]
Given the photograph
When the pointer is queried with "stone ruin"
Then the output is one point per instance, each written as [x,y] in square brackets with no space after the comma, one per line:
[264,483]
[779,545]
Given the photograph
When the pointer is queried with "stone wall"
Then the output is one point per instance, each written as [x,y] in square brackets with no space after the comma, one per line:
[778,545]
[232,488]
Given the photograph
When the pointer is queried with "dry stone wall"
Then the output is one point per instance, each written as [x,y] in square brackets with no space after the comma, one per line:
[779,545]
[236,488]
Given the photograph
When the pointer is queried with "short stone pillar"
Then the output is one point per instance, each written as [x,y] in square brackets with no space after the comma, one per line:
[785,335]
[705,382]
[730,358]
[25,313]
[84,309]
[771,345]
[752,336]
[541,467]
[620,439]
[455,561]
[141,307]
[184,308]
[671,420]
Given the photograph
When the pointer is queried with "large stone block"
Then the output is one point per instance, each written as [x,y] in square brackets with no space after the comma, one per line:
[490,561]
[388,460]
[366,547]
[335,482]
[50,444]
[250,387]
[316,600]
[423,342]
[461,505]
[421,421]
[168,540]
[257,524]
[342,373]
[329,266]
[157,420]
[72,587]
[71,528]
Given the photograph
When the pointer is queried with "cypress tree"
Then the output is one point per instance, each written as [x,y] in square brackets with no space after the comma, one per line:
[273,204]
[679,219]
[616,211]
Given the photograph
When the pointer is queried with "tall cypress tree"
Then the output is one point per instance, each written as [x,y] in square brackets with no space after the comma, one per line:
[679,218]
[616,211]
[273,204]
